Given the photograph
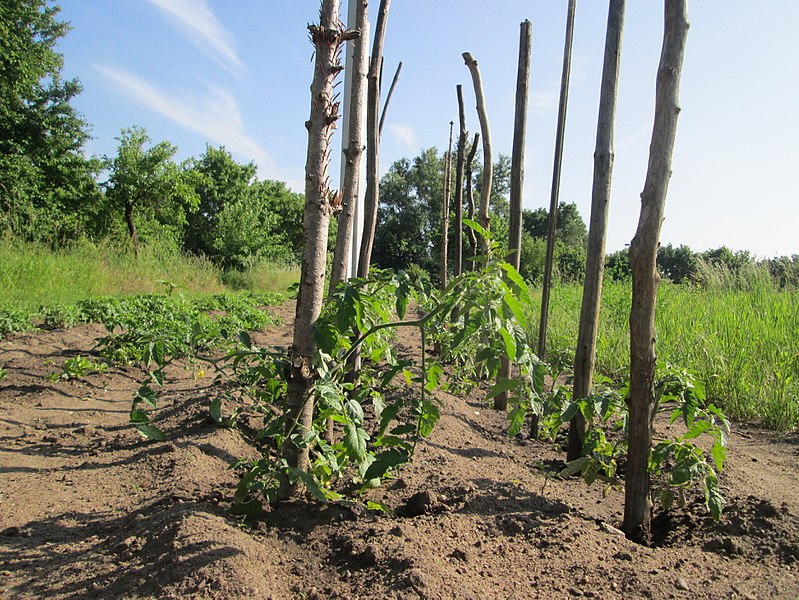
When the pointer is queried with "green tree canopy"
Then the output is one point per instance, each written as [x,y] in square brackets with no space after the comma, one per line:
[47,187]
[149,190]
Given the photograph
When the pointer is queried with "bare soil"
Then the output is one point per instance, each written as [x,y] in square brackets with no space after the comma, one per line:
[89,510]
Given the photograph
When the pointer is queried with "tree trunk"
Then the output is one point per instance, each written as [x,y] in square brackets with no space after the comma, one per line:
[388,99]
[470,198]
[459,173]
[488,165]
[442,283]
[134,236]
[643,253]
[327,38]
[517,173]
[351,184]
[553,200]
[372,143]
[585,354]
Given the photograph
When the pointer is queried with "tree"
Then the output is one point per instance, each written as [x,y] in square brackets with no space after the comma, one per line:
[676,263]
[149,189]
[570,226]
[220,182]
[47,187]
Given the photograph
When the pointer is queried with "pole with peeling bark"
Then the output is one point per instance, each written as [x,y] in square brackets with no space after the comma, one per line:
[328,38]
[445,214]
[645,279]
[470,199]
[388,99]
[459,174]
[372,142]
[553,201]
[517,173]
[585,354]
[351,184]
[488,165]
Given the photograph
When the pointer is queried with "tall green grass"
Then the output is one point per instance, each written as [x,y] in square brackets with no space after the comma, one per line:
[742,342]
[33,275]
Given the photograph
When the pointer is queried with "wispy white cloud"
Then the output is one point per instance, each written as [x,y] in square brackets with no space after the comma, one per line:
[403,133]
[544,102]
[196,20]
[214,114]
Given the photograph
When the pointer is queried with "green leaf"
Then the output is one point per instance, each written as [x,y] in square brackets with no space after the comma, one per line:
[387,416]
[502,385]
[310,483]
[385,461]
[569,412]
[245,339]
[139,416]
[719,453]
[151,432]
[697,429]
[215,410]
[516,278]
[355,442]
[403,295]
[378,506]
[575,466]
[477,227]
[378,404]
[354,412]
[433,376]
[713,498]
[251,508]
[516,418]
[326,336]
[428,419]
[515,308]
[510,343]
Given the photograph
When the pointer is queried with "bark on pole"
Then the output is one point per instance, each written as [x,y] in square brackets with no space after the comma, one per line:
[459,173]
[445,214]
[372,142]
[585,354]
[388,99]
[517,172]
[470,198]
[351,184]
[488,165]
[327,38]
[643,253]
[553,202]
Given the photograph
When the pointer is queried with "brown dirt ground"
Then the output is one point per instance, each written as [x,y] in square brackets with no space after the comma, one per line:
[88,510]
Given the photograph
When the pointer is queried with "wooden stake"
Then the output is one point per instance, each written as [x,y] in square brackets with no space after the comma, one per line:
[459,174]
[388,99]
[643,254]
[488,165]
[445,214]
[585,354]
[372,142]
[517,173]
[553,202]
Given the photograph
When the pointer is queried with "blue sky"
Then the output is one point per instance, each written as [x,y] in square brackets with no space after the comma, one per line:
[236,73]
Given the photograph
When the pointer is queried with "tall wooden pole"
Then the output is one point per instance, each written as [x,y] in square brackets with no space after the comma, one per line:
[327,38]
[488,165]
[445,213]
[585,354]
[470,198]
[351,180]
[517,172]
[553,201]
[643,255]
[459,174]
[388,99]
[372,142]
